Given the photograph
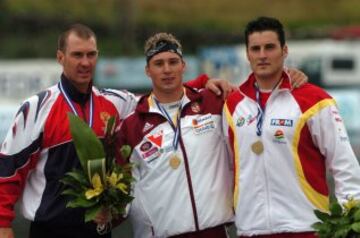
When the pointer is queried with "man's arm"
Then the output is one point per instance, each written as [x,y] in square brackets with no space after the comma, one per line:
[329,133]
[218,86]
[18,154]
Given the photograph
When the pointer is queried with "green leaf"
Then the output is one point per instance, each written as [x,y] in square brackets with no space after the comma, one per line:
[125,151]
[97,166]
[322,215]
[91,213]
[78,176]
[357,215]
[71,192]
[110,125]
[81,202]
[356,227]
[87,145]
[317,225]
[341,233]
[336,209]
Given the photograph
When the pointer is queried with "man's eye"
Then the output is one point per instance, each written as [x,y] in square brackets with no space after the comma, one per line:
[255,48]
[269,47]
[174,62]
[78,55]
[92,54]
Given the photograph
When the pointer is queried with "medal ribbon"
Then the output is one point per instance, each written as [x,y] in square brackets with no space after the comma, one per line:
[176,128]
[71,105]
[261,110]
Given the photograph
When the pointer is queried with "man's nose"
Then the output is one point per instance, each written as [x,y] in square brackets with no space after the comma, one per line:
[167,67]
[262,53]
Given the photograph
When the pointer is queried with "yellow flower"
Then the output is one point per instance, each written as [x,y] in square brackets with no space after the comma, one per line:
[97,187]
[122,187]
[351,203]
[114,178]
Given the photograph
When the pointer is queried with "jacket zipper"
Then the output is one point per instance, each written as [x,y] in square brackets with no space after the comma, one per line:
[191,191]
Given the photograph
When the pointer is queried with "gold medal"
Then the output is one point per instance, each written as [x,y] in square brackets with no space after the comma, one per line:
[174,162]
[257,147]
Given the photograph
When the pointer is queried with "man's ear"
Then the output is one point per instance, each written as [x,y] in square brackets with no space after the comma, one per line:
[184,66]
[60,56]
[285,51]
[147,70]
[247,54]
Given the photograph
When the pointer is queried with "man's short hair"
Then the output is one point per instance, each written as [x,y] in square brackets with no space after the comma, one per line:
[265,24]
[81,30]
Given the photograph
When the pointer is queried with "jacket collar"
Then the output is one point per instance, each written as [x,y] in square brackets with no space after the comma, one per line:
[73,93]
[248,87]
[146,105]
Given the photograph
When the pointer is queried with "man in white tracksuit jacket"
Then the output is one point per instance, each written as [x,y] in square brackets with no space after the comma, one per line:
[283,140]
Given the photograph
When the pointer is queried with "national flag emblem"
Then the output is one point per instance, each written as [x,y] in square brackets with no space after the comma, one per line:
[156,138]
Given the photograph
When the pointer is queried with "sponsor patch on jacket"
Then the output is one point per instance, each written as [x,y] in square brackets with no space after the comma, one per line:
[145,146]
[279,137]
[282,122]
[151,154]
[203,124]
[104,116]
[242,120]
[156,138]
[195,107]
[147,126]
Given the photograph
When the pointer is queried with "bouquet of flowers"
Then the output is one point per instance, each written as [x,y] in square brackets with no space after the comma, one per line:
[341,222]
[101,184]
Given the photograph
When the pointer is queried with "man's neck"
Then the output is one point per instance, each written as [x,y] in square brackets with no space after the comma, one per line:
[168,97]
[268,83]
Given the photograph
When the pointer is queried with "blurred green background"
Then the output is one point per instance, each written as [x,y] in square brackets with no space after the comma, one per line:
[29,28]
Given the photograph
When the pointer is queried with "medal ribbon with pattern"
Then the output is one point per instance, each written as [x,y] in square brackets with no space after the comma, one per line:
[71,105]
[261,110]
[175,126]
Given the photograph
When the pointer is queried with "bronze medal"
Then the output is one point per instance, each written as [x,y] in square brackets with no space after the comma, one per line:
[174,162]
[257,147]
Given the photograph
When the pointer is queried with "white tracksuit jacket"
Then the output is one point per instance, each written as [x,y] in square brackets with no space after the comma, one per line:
[196,195]
[303,135]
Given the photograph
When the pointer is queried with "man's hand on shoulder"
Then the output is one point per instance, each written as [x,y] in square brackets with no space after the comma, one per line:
[220,87]
[298,78]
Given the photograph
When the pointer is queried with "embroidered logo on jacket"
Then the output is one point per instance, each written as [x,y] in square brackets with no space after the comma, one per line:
[147,126]
[279,137]
[282,122]
[151,154]
[240,121]
[156,138]
[195,107]
[145,146]
[104,116]
[203,124]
